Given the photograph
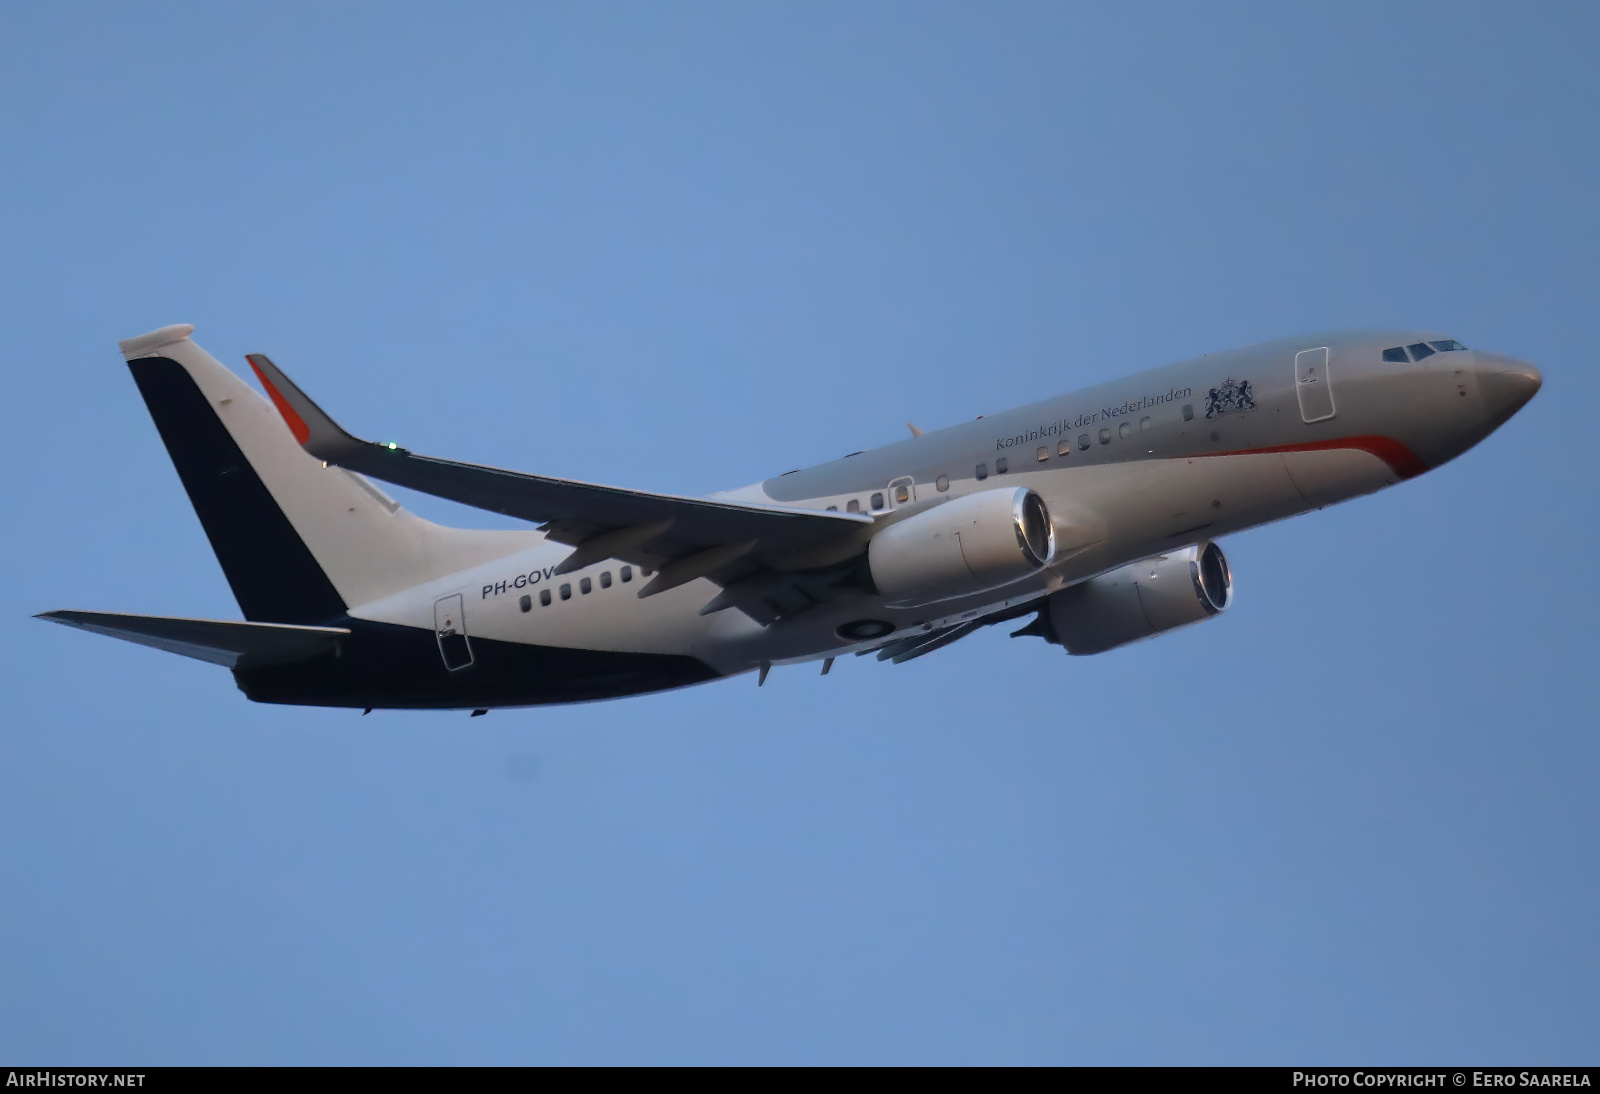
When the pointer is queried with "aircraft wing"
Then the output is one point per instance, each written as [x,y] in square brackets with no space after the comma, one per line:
[219,641]
[683,537]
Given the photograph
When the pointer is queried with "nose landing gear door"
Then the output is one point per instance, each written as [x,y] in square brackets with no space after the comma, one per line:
[450,627]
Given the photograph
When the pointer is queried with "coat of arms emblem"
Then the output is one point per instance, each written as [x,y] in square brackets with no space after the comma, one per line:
[1230,395]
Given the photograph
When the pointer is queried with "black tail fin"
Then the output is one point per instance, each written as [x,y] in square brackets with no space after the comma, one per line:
[300,541]
[272,572]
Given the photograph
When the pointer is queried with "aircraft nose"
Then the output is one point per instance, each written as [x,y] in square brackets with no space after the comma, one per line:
[1507,383]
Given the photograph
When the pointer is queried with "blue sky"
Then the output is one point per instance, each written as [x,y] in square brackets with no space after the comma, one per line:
[684,247]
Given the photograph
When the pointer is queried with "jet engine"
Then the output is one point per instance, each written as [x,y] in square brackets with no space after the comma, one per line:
[966,545]
[1136,601]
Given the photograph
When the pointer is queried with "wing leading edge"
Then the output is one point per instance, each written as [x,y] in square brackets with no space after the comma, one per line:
[683,538]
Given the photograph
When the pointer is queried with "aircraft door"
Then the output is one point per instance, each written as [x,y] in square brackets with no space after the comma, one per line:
[450,626]
[1312,385]
[902,491]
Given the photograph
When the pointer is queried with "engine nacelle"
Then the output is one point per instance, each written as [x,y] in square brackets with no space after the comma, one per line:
[972,543]
[1141,599]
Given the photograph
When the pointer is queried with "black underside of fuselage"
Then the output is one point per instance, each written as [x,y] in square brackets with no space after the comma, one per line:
[382,665]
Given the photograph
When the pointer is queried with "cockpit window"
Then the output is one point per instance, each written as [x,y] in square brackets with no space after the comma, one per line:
[1419,350]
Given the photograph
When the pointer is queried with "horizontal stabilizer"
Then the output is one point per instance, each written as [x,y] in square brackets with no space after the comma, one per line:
[219,641]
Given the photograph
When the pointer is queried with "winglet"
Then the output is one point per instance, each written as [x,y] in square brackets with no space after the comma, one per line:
[317,433]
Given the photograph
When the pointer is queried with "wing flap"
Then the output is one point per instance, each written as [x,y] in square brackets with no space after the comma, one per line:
[909,649]
[225,642]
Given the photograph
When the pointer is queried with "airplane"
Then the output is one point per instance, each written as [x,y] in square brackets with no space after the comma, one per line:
[1096,512]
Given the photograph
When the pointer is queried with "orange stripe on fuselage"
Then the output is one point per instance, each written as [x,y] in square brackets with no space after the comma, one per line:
[1404,462]
[297,424]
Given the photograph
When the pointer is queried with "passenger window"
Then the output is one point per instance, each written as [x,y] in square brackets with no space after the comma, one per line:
[877,502]
[584,586]
[1002,465]
[902,494]
[1144,424]
[1043,454]
[526,603]
[1445,345]
[566,592]
[854,506]
[627,573]
[1063,448]
[1188,413]
[983,471]
[605,579]
[1419,350]
[1396,355]
[1083,442]
[833,509]
[1105,436]
[942,483]
[544,598]
[1125,430]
